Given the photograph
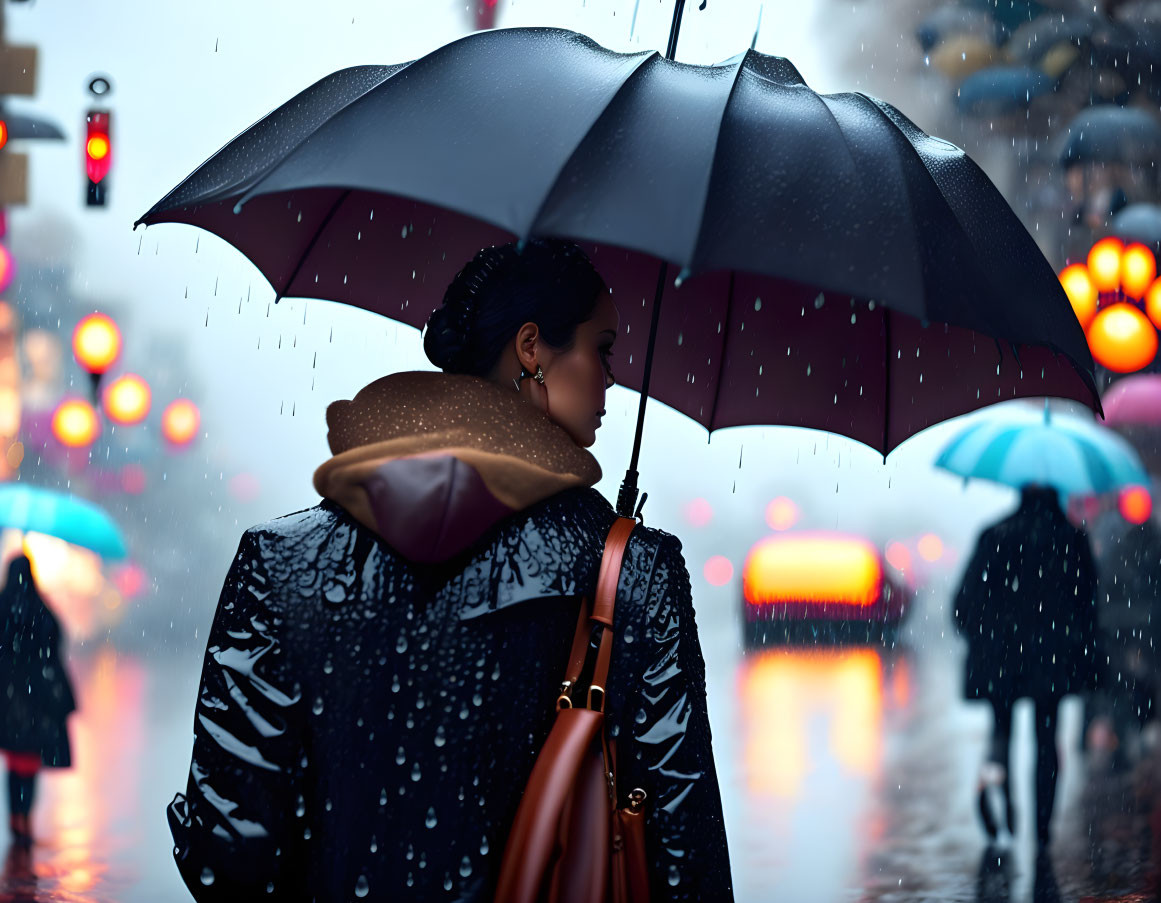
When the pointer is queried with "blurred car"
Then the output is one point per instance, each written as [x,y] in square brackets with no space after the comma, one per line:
[819,587]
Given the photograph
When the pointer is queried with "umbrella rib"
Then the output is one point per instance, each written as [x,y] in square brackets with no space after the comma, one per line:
[884,113]
[886,382]
[550,191]
[223,193]
[281,293]
[714,159]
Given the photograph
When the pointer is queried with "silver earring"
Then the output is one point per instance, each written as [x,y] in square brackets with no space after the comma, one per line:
[524,374]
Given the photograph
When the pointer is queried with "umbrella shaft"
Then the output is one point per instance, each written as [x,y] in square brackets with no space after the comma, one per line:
[675,29]
[627,497]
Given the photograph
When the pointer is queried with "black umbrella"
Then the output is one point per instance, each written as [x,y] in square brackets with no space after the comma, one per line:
[838,268]
[1111,134]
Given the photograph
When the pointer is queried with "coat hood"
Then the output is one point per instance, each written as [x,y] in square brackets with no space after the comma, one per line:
[431,461]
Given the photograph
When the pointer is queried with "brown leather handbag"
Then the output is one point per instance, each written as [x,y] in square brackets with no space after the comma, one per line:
[571,842]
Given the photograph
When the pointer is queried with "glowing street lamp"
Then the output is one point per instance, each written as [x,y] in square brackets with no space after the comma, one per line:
[1122,339]
[1116,297]
[1104,264]
[180,422]
[96,346]
[1153,303]
[127,399]
[1082,294]
[75,423]
[1138,270]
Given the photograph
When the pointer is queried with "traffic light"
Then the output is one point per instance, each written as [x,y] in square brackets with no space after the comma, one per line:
[98,156]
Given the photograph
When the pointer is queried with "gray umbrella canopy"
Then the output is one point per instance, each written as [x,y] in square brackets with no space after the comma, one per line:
[1138,222]
[23,126]
[1002,89]
[1108,133]
[839,268]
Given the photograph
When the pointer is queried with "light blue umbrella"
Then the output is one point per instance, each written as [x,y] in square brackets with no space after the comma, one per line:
[36,510]
[1072,454]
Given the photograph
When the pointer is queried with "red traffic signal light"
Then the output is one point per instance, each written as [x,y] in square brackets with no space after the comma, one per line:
[98,155]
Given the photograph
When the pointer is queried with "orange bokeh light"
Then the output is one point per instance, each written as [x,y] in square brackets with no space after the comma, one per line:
[127,399]
[812,568]
[180,421]
[1135,504]
[1104,264]
[718,571]
[930,547]
[1138,270]
[75,424]
[3,133]
[899,556]
[781,513]
[97,342]
[1122,339]
[699,512]
[1153,303]
[1082,294]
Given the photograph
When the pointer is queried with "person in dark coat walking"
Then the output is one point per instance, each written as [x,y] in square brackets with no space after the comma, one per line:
[1027,610]
[383,668]
[37,696]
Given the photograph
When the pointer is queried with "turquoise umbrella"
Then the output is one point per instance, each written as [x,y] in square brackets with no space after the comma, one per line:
[36,510]
[1072,454]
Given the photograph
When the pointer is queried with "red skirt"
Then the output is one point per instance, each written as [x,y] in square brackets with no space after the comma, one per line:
[25,764]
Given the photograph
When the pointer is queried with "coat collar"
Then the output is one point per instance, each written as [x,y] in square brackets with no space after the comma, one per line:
[431,461]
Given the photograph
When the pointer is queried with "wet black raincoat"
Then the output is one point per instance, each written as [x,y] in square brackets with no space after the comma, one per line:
[367,721]
[35,691]
[1026,606]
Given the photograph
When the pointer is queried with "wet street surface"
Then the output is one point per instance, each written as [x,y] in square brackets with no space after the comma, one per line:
[847,774]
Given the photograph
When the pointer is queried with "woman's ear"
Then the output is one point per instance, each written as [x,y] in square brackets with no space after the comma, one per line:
[527,339]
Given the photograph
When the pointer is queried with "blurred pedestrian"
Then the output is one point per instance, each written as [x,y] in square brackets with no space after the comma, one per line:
[1128,624]
[1026,609]
[384,668]
[35,693]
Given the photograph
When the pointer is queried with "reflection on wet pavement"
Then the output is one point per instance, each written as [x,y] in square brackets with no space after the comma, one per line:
[87,819]
[854,775]
[848,774]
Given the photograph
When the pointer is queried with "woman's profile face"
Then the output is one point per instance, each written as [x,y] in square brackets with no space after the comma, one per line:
[575,380]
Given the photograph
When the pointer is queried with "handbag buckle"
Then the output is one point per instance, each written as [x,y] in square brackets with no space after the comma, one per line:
[564,700]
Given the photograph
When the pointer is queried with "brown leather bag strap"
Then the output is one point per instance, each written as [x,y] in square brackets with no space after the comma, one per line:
[610,573]
[577,656]
[604,604]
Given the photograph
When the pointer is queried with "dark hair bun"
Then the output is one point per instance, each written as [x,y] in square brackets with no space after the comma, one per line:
[447,339]
[547,281]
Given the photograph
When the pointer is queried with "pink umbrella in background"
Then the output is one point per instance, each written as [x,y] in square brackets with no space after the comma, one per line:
[1133,408]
